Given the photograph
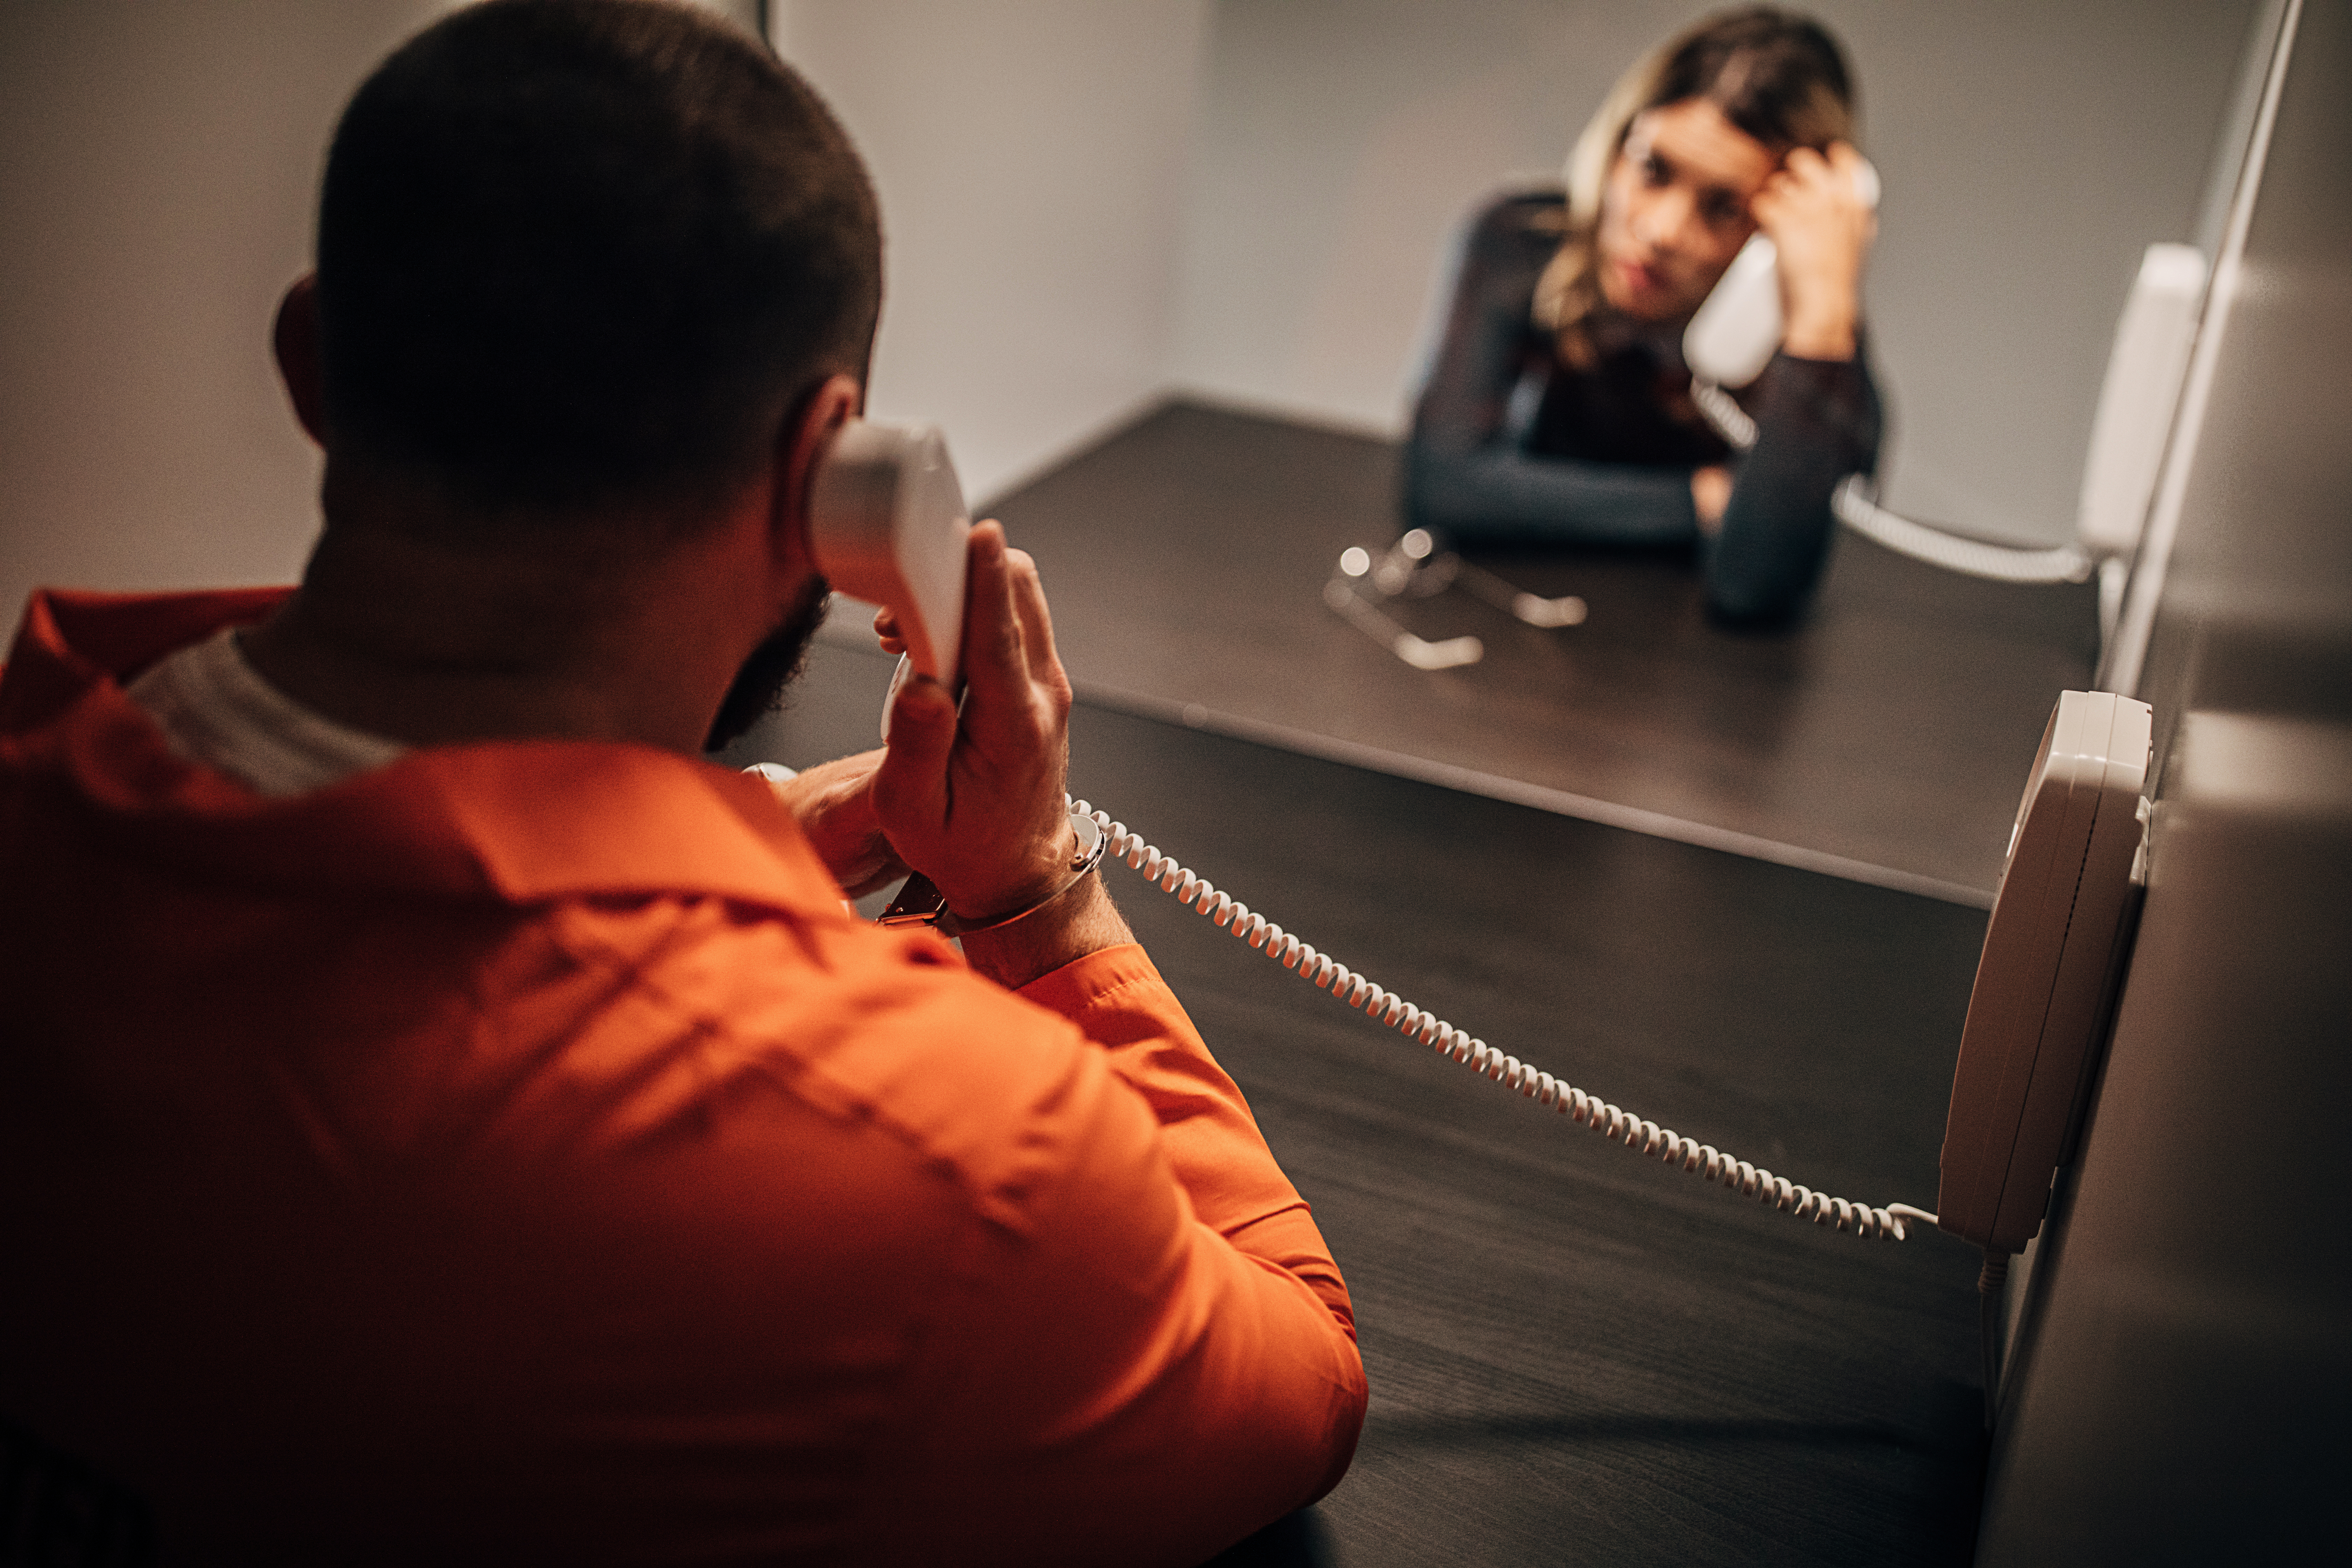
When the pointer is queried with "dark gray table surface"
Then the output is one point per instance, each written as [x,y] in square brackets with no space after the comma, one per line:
[1891,731]
[1577,1355]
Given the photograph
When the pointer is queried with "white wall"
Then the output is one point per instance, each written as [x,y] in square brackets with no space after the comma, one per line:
[162,169]
[1030,157]
[1341,141]
[2029,152]
[160,165]
[1088,202]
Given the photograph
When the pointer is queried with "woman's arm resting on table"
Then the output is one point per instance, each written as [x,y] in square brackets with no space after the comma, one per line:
[1817,421]
[1498,496]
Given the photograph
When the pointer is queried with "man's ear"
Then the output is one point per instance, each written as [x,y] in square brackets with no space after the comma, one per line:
[800,446]
[294,339]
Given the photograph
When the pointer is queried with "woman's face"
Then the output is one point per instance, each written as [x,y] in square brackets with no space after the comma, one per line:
[1675,211]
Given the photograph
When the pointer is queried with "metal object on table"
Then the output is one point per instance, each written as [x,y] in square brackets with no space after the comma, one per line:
[1413,567]
[1418,652]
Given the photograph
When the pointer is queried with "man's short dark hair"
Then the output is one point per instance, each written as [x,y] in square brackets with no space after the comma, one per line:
[583,253]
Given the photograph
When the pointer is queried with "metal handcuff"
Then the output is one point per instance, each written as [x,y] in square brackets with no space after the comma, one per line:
[920,903]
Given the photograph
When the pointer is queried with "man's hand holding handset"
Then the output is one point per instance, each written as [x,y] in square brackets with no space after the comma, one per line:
[973,800]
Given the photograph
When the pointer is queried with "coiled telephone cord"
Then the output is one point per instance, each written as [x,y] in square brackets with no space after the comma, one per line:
[1612,1122]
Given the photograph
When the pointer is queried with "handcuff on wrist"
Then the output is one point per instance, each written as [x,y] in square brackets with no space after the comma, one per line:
[920,903]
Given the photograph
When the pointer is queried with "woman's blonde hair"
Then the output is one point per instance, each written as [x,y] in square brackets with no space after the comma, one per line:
[1777,76]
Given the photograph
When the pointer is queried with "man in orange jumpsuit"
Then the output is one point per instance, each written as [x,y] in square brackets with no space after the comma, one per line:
[443,1119]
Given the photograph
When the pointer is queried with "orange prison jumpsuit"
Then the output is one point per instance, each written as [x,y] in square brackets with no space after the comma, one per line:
[518,1154]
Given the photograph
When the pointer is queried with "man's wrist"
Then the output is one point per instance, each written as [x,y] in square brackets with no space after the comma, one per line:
[1082,922]
[1070,869]
[922,902]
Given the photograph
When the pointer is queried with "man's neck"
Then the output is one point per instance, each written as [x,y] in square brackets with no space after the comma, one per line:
[422,641]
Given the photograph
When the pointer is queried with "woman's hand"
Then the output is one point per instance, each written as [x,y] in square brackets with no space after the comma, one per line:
[1822,229]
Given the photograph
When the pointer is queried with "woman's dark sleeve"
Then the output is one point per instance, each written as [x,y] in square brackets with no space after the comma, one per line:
[1464,475]
[1816,422]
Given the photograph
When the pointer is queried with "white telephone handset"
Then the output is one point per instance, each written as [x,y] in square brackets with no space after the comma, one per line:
[1731,339]
[888,524]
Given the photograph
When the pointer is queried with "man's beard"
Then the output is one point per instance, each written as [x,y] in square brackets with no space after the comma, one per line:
[758,689]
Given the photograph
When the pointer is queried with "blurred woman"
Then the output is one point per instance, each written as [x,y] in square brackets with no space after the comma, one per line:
[1558,409]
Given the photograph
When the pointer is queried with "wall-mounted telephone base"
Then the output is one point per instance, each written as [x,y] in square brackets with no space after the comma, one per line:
[2050,960]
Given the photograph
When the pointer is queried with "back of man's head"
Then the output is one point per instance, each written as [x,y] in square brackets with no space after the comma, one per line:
[584,255]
